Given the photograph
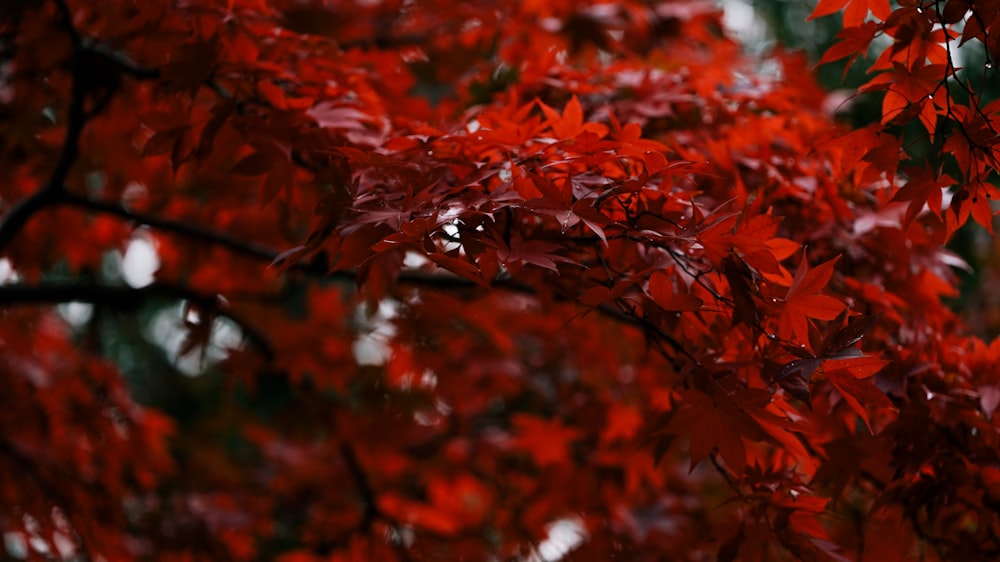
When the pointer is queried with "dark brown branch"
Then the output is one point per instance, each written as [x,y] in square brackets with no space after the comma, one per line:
[414,278]
[726,475]
[76,119]
[127,298]
[52,192]
[241,246]
[121,63]
[249,249]
[370,511]
[236,245]
[19,214]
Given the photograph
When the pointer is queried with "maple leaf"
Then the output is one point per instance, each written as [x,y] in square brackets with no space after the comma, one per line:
[854,42]
[330,115]
[714,424]
[419,514]
[547,441]
[634,143]
[924,187]
[662,290]
[849,377]
[600,294]
[803,301]
[976,200]
[570,123]
[742,281]
[534,252]
[855,11]
[909,93]
[715,233]
[460,267]
[622,424]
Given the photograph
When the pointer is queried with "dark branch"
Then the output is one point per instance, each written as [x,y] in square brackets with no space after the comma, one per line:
[236,245]
[21,212]
[75,122]
[442,282]
[127,298]
[370,512]
[52,192]
[243,247]
[122,63]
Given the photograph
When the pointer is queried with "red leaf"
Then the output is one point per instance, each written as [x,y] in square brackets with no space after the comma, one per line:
[461,268]
[924,187]
[848,377]
[623,422]
[547,441]
[162,142]
[661,288]
[713,425]
[570,123]
[803,301]
[533,252]
[854,42]
[826,8]
[255,164]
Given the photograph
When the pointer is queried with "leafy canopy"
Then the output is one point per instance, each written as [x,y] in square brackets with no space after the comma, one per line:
[446,280]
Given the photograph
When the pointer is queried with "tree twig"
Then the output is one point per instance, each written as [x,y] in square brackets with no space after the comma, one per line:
[127,298]
[54,189]
[370,510]
[236,245]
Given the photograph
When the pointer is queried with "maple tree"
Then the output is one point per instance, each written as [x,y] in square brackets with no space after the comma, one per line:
[438,279]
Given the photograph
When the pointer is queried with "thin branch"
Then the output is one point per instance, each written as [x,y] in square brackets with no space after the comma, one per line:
[121,62]
[423,279]
[77,118]
[127,298]
[631,315]
[237,245]
[66,20]
[19,214]
[370,511]
[729,478]
[243,247]
[52,192]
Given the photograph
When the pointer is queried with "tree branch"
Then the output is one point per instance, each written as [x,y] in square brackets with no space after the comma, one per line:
[21,212]
[75,122]
[370,511]
[236,245]
[52,192]
[243,247]
[423,279]
[121,62]
[127,298]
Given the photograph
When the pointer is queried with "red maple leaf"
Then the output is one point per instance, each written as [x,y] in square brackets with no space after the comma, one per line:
[803,301]
[547,441]
[850,378]
[855,11]
[924,187]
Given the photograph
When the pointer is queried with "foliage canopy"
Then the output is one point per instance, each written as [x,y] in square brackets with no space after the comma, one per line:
[437,279]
